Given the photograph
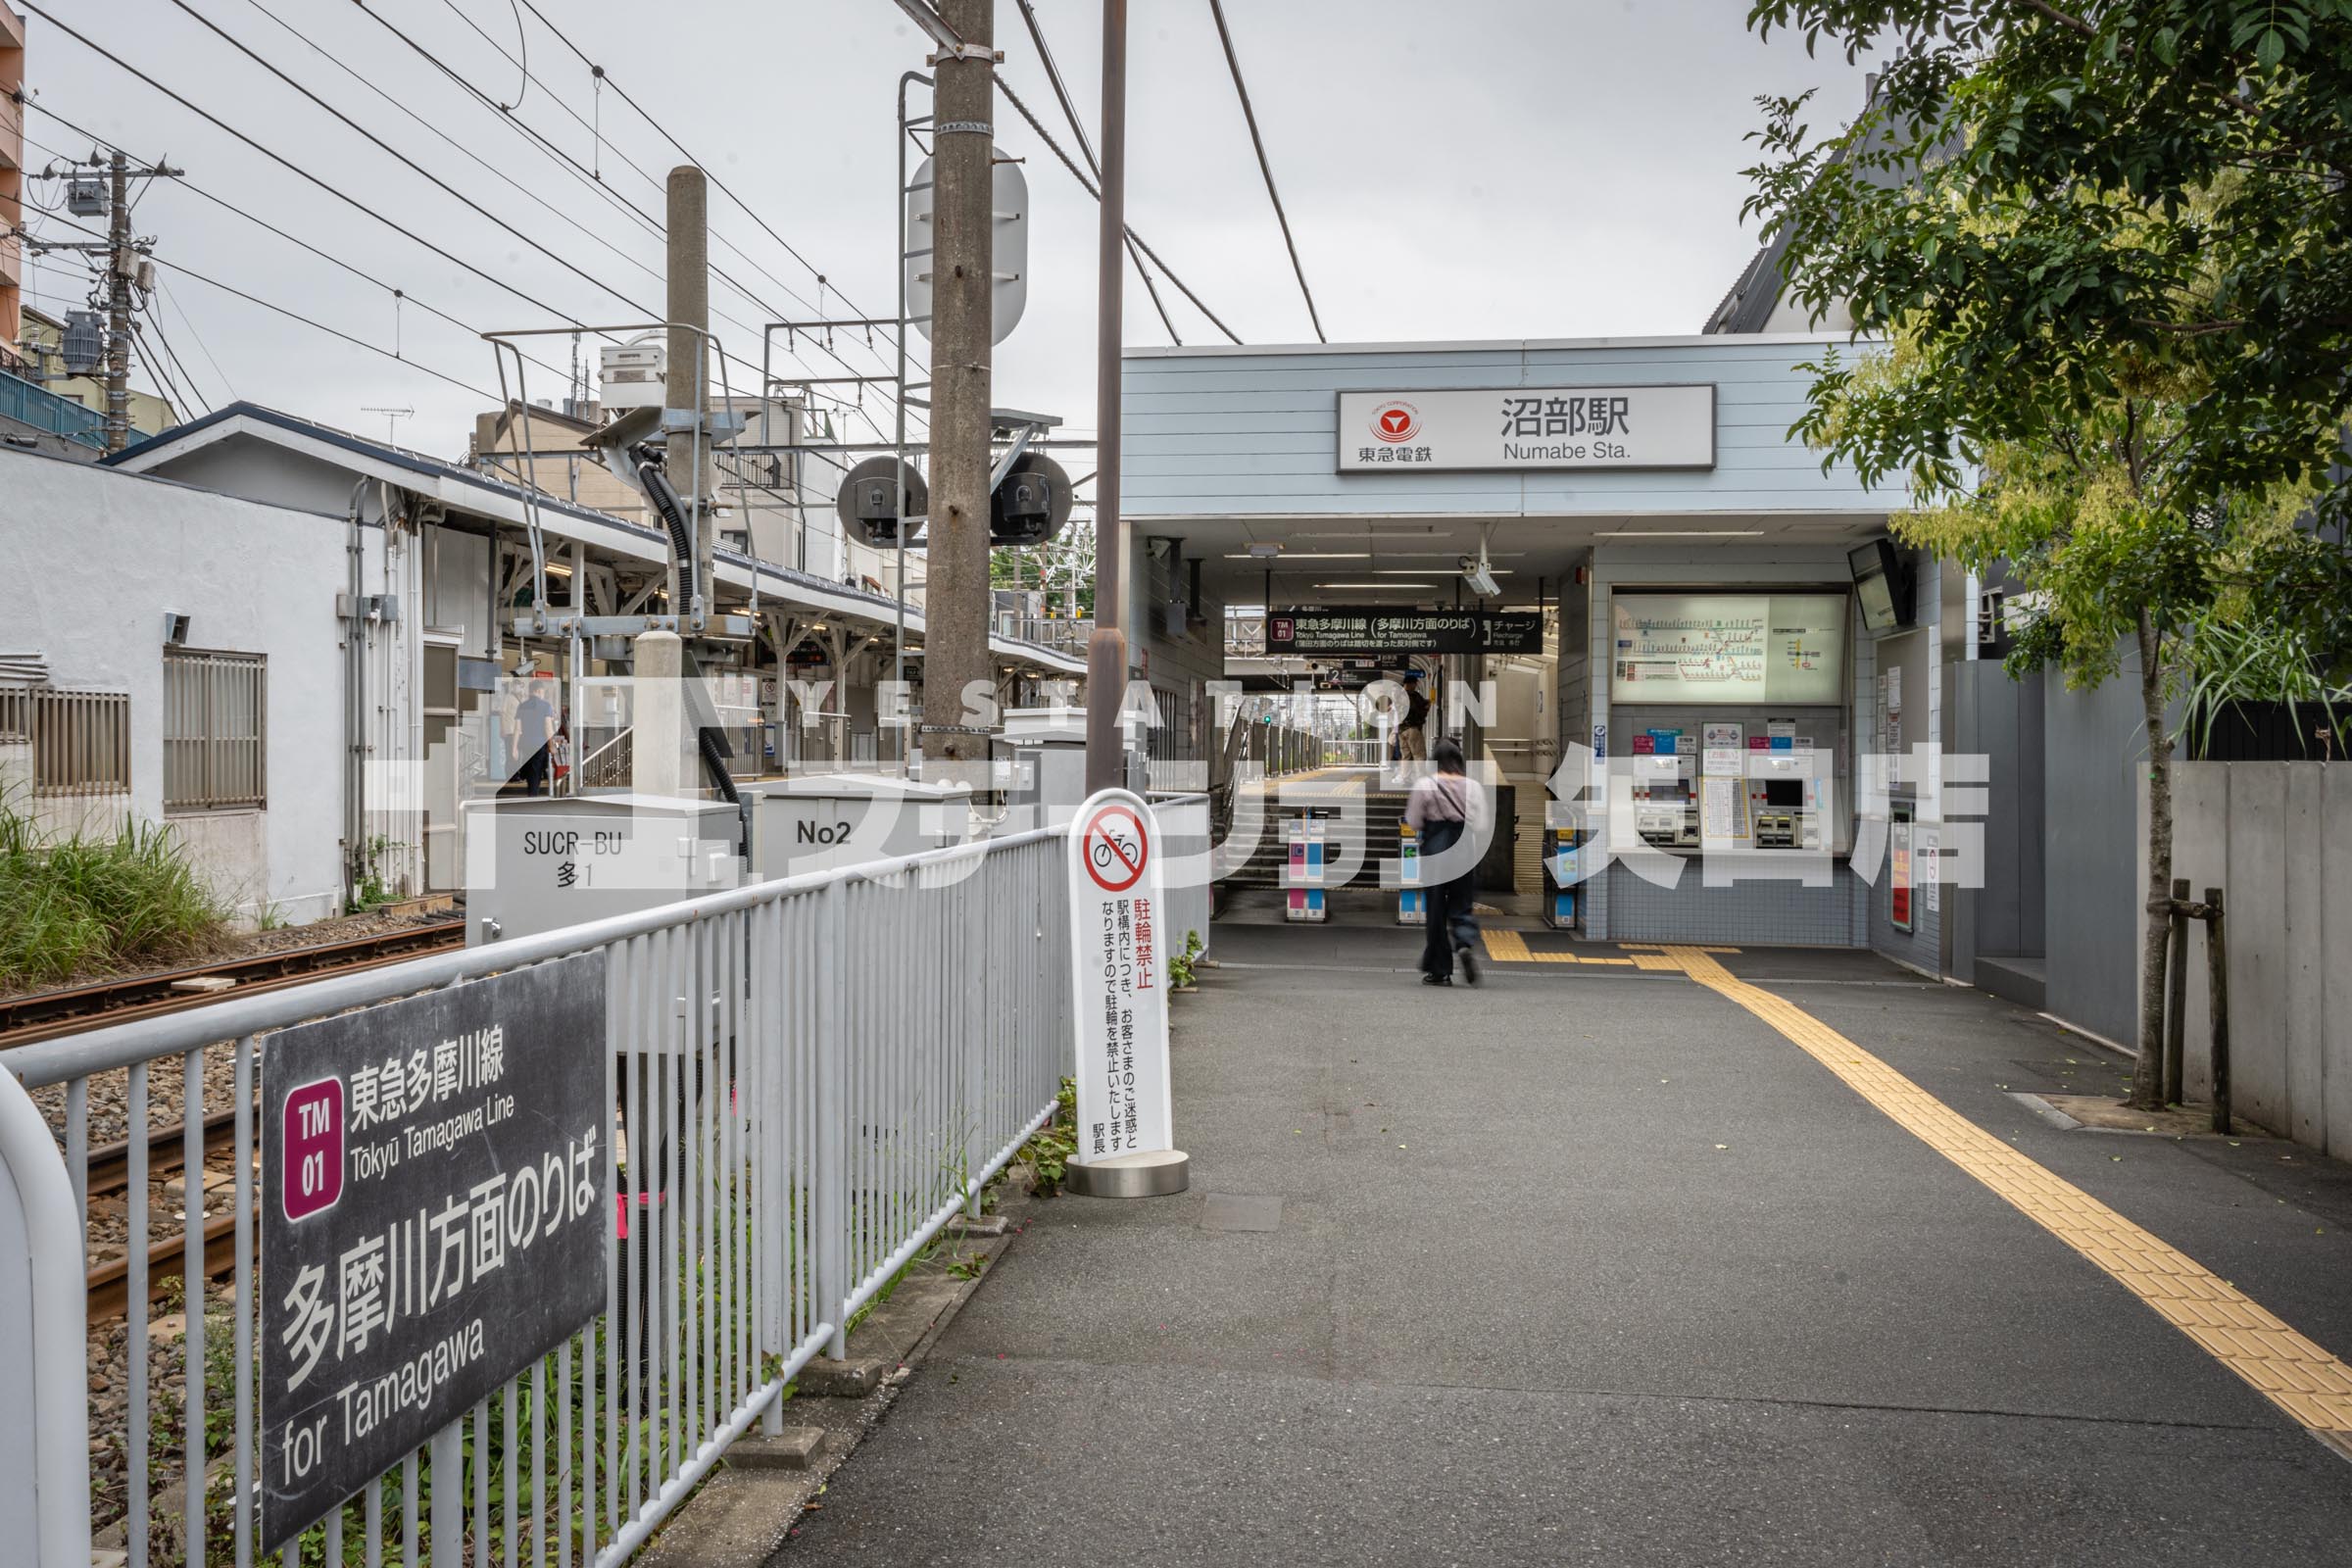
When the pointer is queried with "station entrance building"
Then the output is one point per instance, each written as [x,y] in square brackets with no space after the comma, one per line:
[1730,655]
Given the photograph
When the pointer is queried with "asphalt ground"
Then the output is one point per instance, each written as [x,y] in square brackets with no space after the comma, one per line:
[1589,1264]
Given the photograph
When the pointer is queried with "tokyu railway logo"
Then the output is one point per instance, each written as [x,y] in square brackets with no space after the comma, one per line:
[1396,422]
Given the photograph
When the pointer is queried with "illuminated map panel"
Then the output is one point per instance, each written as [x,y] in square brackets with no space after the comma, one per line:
[1786,649]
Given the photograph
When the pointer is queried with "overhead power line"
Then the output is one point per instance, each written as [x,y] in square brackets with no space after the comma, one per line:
[1234,63]
[293,167]
[596,182]
[386,147]
[296,315]
[1094,191]
[281,159]
[1069,113]
[397,293]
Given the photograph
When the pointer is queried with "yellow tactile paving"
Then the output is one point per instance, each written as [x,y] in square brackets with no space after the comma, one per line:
[1509,946]
[2313,1387]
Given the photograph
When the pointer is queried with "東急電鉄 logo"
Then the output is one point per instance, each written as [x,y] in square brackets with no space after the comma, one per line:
[1396,422]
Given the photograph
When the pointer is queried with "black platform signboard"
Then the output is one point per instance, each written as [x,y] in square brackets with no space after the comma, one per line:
[1404,631]
[433,1220]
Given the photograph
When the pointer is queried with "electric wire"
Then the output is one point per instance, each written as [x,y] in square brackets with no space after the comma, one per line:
[296,315]
[1091,189]
[1069,113]
[180,398]
[604,77]
[155,319]
[202,347]
[386,147]
[596,181]
[394,291]
[293,167]
[1233,63]
[281,159]
[518,185]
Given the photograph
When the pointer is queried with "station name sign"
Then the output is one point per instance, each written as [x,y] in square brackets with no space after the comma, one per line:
[1527,427]
[1404,631]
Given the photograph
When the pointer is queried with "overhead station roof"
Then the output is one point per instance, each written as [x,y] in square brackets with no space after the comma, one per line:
[467,492]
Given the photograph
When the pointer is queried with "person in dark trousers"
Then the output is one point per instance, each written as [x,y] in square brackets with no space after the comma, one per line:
[535,720]
[1412,731]
[1447,811]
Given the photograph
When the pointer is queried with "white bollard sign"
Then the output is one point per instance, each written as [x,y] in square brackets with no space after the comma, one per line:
[1125,1131]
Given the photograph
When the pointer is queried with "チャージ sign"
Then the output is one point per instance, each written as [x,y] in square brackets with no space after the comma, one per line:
[1116,910]
[1404,631]
[1527,427]
[433,1219]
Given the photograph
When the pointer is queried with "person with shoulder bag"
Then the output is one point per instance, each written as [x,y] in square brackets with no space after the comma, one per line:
[1445,809]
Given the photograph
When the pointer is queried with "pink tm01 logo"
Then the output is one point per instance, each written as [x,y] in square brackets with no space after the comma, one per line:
[1396,422]
[313,1144]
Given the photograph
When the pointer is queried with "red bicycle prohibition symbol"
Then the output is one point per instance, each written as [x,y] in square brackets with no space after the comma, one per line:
[1115,847]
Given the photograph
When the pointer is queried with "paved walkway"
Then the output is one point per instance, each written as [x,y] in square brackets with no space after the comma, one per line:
[1596,1263]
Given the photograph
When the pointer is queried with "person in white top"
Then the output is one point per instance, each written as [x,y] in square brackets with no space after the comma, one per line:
[1448,813]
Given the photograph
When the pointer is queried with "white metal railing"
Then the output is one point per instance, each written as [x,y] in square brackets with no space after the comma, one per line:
[880,1041]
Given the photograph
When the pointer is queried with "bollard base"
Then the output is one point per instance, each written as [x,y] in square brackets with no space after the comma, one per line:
[1153,1174]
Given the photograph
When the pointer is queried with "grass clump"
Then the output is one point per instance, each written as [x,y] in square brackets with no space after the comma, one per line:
[76,905]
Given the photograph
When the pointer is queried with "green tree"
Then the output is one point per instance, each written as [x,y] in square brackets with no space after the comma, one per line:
[2105,248]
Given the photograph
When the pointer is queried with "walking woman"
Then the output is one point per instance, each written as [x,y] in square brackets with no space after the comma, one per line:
[1448,812]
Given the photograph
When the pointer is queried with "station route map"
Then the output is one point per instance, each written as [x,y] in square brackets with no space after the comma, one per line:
[1728,647]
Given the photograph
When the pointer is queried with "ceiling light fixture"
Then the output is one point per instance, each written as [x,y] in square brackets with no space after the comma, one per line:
[1678,533]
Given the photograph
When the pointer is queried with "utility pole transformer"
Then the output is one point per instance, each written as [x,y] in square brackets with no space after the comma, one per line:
[1107,649]
[956,600]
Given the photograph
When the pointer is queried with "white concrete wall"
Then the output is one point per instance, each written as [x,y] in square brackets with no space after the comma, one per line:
[2276,838]
[94,556]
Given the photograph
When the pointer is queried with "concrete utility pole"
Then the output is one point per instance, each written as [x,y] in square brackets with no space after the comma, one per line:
[687,379]
[1107,649]
[122,266]
[962,334]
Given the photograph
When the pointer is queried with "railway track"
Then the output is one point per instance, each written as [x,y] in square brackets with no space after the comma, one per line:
[47,1014]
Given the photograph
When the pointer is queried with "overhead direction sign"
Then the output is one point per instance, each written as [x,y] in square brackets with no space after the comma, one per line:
[1376,631]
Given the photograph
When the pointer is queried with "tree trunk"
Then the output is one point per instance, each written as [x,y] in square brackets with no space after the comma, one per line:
[2147,1073]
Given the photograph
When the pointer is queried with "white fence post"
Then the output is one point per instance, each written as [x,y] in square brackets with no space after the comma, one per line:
[832,1176]
[44,1459]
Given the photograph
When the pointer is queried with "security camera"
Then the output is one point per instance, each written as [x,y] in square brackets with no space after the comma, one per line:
[1480,577]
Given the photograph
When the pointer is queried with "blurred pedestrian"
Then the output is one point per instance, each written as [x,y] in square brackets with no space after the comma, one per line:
[1412,731]
[1447,811]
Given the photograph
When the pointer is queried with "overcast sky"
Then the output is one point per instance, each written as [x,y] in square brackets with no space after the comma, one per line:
[1478,168]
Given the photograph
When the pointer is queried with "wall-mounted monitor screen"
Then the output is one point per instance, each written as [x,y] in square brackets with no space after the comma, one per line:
[1878,583]
[1786,649]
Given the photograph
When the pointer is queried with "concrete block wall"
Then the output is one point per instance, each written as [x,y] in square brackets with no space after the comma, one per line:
[2276,838]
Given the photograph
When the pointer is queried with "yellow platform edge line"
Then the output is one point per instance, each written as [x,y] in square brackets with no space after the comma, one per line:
[2311,1385]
